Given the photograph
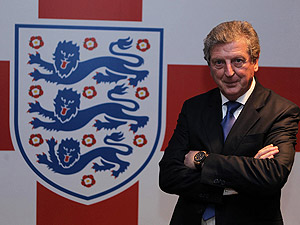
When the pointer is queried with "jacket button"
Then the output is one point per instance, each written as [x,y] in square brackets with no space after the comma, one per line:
[216,181]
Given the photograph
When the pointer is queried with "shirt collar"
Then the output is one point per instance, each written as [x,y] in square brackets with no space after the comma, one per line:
[242,99]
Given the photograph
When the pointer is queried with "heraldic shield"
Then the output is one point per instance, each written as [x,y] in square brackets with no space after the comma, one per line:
[88,104]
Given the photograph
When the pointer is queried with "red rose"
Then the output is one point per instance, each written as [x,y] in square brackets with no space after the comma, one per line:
[143,45]
[36,42]
[142,93]
[89,92]
[90,43]
[36,140]
[140,140]
[88,181]
[36,91]
[88,140]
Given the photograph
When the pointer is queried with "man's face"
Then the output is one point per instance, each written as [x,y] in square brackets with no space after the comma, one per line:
[232,69]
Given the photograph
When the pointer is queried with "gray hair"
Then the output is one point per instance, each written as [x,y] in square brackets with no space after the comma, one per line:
[232,31]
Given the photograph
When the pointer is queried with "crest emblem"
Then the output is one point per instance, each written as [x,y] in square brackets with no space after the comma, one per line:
[87,104]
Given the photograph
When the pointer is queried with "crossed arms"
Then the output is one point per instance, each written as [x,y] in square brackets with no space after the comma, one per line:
[267,152]
[265,172]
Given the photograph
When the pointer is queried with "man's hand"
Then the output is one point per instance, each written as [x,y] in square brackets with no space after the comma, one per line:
[189,159]
[267,152]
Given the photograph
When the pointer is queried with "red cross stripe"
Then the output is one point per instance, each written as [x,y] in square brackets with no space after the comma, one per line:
[5,143]
[117,10]
[119,209]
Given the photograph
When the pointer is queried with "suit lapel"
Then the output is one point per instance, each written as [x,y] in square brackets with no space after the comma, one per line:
[211,119]
[246,120]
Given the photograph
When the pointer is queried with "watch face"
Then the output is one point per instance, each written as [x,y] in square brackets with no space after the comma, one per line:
[199,157]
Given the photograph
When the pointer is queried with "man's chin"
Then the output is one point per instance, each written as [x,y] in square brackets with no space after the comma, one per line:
[232,94]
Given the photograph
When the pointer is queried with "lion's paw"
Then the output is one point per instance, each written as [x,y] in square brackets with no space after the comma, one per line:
[34,58]
[36,123]
[34,107]
[52,142]
[36,75]
[42,158]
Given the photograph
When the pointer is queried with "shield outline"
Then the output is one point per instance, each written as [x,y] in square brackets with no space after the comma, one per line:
[160,31]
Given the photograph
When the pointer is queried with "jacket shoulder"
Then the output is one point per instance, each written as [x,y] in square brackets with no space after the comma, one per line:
[279,102]
[207,97]
[262,97]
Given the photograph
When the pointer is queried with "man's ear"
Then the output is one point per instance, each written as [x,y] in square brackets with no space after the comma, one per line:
[255,65]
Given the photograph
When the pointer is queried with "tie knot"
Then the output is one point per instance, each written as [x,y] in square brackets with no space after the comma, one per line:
[232,106]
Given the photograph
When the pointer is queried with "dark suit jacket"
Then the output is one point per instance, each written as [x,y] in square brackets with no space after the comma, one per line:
[265,119]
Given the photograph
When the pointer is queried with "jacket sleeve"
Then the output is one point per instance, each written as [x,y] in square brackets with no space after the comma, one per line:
[175,177]
[258,176]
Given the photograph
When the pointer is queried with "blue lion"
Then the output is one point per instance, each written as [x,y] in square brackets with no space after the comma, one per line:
[67,68]
[68,159]
[67,115]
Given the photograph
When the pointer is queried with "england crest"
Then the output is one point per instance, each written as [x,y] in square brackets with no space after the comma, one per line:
[88,104]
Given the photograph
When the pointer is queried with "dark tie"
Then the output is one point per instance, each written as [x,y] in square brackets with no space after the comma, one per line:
[226,123]
[229,119]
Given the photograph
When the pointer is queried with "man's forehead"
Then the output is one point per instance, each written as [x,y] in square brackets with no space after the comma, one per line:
[232,49]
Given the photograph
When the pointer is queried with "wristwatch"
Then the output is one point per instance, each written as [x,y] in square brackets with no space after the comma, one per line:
[199,158]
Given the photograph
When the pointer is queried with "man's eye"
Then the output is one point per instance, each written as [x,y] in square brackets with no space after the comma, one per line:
[218,63]
[238,62]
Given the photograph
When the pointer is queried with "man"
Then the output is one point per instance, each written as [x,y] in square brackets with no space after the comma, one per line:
[236,174]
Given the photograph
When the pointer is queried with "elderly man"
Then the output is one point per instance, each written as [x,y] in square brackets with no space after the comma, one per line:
[233,147]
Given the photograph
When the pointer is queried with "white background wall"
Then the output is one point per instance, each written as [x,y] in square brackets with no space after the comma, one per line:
[185,24]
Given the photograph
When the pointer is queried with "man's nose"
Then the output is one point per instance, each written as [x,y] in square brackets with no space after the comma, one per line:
[229,70]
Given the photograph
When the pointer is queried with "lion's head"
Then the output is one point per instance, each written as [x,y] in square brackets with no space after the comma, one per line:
[68,152]
[66,57]
[66,104]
